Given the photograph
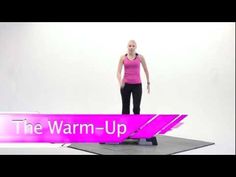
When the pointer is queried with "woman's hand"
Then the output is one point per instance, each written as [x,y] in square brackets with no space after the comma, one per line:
[148,87]
[122,85]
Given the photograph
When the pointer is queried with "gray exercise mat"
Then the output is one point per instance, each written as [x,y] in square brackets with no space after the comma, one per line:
[167,145]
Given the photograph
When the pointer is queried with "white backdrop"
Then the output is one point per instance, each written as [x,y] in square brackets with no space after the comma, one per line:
[71,68]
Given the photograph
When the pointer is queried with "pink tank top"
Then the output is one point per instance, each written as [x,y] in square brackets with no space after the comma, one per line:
[132,70]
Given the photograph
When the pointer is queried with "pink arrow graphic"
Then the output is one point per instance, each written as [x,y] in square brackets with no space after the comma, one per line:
[157,124]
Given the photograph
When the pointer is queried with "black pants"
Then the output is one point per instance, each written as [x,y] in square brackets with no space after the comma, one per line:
[136,91]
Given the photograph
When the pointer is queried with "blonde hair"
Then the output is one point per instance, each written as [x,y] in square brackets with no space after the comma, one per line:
[133,41]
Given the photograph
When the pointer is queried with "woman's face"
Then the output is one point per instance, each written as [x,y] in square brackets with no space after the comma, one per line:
[131,47]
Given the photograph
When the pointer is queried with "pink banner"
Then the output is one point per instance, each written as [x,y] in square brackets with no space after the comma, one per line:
[84,128]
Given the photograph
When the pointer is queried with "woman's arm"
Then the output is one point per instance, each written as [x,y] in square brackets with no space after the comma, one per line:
[119,70]
[146,72]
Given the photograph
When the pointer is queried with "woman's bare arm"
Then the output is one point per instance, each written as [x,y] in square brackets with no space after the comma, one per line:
[146,72]
[119,70]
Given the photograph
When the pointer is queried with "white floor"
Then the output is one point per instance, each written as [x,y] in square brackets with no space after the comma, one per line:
[38,149]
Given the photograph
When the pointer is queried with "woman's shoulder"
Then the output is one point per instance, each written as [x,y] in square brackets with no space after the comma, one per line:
[140,56]
[122,57]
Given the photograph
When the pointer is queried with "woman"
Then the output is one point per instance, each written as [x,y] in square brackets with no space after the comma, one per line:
[131,82]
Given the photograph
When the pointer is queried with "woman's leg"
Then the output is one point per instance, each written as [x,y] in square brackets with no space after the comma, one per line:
[125,95]
[137,95]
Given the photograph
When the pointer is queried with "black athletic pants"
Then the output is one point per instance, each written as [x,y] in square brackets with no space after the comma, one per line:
[126,91]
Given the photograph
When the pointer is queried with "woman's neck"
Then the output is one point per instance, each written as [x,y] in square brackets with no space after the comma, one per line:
[131,55]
